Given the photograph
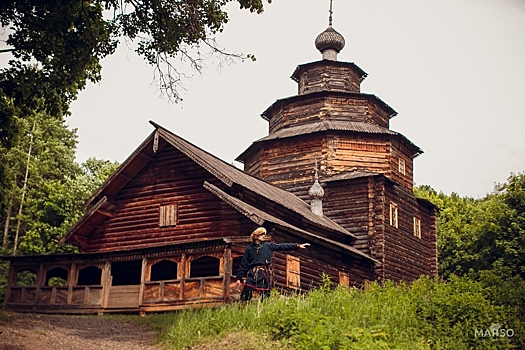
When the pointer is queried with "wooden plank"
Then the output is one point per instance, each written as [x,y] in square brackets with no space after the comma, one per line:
[123,296]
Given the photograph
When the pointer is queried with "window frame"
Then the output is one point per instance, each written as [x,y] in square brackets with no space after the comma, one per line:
[417,227]
[402,166]
[394,215]
[168,215]
[293,272]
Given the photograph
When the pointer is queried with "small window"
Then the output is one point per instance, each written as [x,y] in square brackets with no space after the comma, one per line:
[236,264]
[344,279]
[393,215]
[402,166]
[126,273]
[417,227]
[168,215]
[293,272]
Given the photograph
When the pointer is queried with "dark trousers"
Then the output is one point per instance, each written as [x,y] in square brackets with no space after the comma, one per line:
[247,294]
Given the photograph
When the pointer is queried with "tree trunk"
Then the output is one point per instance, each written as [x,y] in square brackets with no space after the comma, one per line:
[15,245]
[7,220]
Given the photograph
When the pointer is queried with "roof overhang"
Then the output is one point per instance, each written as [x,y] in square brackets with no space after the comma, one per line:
[260,218]
[303,67]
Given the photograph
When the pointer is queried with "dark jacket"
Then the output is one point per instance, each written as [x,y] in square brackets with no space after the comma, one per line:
[255,263]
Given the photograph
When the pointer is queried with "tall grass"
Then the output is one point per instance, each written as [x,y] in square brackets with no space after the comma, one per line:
[429,314]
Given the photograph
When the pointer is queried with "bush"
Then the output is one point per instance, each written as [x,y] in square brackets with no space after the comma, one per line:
[452,314]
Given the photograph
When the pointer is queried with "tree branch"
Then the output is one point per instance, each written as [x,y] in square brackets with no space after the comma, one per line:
[7,50]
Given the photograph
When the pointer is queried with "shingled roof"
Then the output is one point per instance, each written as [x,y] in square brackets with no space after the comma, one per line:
[229,174]
[226,173]
[260,217]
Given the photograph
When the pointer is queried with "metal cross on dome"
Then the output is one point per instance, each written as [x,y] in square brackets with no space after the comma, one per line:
[331,12]
[316,169]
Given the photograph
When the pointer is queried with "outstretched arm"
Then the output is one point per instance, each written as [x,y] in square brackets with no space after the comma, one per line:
[287,246]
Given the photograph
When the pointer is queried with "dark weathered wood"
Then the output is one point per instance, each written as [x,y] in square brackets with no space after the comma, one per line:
[172,201]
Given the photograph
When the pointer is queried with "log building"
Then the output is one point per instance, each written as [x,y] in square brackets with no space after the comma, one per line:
[168,229]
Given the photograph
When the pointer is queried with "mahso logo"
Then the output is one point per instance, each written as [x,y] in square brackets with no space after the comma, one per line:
[494,331]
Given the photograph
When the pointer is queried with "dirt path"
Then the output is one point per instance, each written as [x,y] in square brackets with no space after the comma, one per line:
[58,332]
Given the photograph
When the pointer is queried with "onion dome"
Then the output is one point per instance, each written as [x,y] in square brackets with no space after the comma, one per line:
[330,39]
[316,194]
[316,191]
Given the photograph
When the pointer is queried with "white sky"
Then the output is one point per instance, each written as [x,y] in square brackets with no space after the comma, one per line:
[454,70]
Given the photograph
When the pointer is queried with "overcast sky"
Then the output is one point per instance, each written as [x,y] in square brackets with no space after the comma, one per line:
[454,70]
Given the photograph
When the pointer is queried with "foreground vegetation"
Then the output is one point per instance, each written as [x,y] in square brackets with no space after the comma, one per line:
[430,314]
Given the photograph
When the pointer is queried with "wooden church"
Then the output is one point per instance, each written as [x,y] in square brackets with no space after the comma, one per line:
[168,229]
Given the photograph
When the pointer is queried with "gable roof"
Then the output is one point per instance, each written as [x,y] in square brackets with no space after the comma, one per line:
[226,173]
[230,175]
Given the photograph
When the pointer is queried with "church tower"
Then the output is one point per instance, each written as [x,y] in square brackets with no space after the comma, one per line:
[331,117]
[365,168]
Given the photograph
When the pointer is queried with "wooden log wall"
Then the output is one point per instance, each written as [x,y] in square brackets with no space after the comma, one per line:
[355,108]
[318,260]
[407,256]
[288,164]
[171,179]
[359,153]
[400,153]
[321,77]
[348,205]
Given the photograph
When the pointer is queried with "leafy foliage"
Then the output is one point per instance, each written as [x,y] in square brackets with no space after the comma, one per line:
[57,47]
[44,187]
[482,234]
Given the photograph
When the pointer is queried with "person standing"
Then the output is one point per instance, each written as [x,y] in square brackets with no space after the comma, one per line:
[254,270]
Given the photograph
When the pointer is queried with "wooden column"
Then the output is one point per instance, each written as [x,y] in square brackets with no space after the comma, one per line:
[70,279]
[143,279]
[228,267]
[106,283]
[11,281]
[183,274]
[40,281]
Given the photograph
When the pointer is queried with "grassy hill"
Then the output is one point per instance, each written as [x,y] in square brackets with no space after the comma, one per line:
[430,314]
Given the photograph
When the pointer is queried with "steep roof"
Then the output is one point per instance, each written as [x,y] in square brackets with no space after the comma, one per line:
[226,173]
[230,175]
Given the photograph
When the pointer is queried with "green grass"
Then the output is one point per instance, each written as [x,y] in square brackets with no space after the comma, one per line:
[429,314]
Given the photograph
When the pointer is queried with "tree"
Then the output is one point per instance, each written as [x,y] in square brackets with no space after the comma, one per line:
[43,154]
[57,47]
[502,237]
[45,188]
[59,205]
[486,234]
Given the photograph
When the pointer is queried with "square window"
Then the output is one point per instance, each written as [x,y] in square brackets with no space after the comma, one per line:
[393,215]
[168,215]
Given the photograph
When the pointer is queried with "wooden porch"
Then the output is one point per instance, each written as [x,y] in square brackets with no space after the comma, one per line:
[154,280]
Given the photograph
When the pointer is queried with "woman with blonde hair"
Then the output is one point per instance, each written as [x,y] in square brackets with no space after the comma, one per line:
[254,270]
